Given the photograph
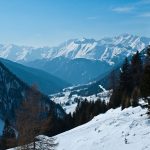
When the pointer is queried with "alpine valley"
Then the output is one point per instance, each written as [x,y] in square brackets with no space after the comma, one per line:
[78,61]
[81,91]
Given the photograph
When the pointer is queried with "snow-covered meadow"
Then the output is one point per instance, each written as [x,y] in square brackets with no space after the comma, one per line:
[69,103]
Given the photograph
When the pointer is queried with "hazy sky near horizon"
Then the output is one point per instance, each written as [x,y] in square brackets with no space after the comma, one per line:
[50,22]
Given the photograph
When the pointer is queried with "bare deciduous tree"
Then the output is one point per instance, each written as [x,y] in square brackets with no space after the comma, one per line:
[30,124]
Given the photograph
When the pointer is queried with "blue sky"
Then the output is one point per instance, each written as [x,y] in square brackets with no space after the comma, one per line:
[50,22]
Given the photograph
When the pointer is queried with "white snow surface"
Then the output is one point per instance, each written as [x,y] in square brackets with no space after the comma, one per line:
[69,103]
[115,130]
[106,49]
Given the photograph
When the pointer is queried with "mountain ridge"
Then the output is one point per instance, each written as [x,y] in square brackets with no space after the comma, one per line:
[105,49]
[46,82]
[14,91]
[79,61]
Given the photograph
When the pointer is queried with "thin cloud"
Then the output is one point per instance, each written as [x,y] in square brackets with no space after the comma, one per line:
[123,9]
[144,2]
[92,18]
[147,14]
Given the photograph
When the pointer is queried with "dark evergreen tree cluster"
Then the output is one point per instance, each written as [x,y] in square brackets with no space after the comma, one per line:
[86,110]
[54,125]
[8,138]
[145,82]
[134,82]
[128,91]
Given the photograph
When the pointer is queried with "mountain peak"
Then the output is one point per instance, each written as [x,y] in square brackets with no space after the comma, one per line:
[106,49]
[85,40]
[125,34]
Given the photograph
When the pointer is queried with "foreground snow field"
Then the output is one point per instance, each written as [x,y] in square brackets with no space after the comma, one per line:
[116,130]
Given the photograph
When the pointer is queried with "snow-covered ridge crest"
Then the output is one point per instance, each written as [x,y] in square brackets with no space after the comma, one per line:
[106,49]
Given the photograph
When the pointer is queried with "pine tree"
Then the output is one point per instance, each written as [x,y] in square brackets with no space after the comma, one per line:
[136,69]
[135,96]
[125,84]
[122,92]
[145,83]
[125,77]
[113,80]
[115,99]
[147,62]
[8,137]
[8,131]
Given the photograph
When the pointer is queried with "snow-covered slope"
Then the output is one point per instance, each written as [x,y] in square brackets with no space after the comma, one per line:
[22,53]
[69,98]
[116,130]
[107,49]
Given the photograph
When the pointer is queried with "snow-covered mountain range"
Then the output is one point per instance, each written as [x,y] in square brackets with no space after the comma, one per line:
[106,49]
[78,61]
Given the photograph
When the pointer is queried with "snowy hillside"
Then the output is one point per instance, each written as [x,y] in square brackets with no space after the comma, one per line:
[126,130]
[107,49]
[69,98]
